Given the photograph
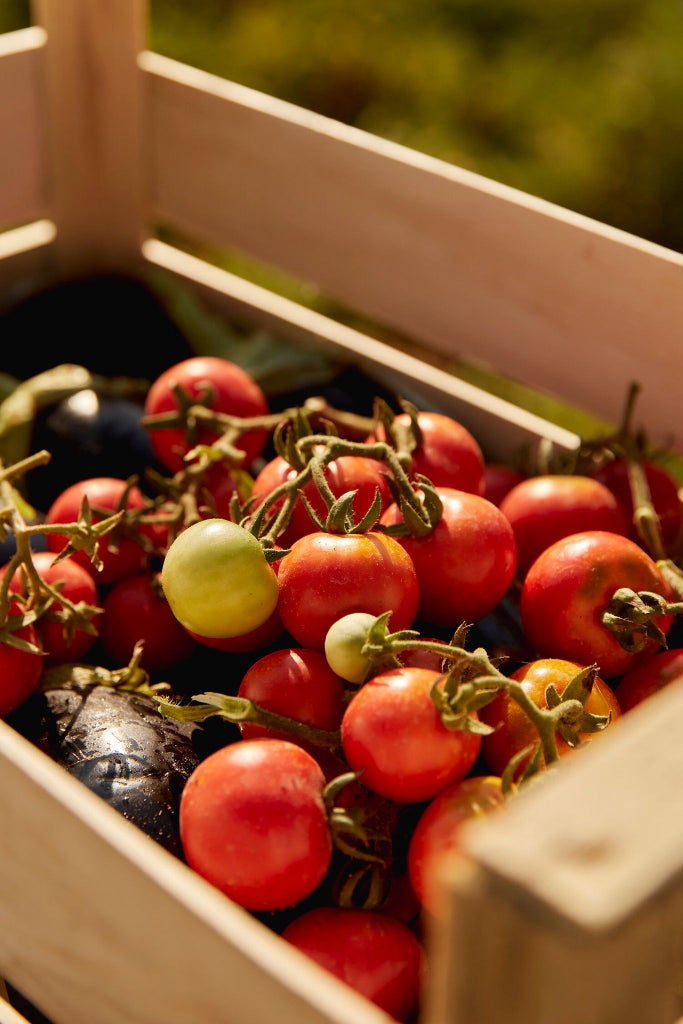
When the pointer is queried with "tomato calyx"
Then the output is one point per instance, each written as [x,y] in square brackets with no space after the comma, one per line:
[631,617]
[131,678]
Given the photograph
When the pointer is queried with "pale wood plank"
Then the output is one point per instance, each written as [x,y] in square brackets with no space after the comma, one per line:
[574,897]
[23,183]
[95,130]
[500,427]
[27,261]
[98,923]
[458,262]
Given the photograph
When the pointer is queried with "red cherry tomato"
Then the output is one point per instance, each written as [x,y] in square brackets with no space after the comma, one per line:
[542,509]
[344,474]
[121,554]
[513,728]
[466,564]
[647,677]
[225,387]
[571,584]
[77,586]
[448,454]
[297,683]
[20,670]
[135,609]
[325,576]
[438,833]
[393,734]
[664,494]
[499,479]
[253,823]
[373,953]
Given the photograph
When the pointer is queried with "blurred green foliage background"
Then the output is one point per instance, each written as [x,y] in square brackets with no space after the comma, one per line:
[578,103]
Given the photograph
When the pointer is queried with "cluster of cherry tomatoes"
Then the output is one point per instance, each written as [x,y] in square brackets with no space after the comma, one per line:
[349,563]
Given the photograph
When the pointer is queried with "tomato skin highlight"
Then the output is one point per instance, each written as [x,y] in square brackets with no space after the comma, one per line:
[437,834]
[466,564]
[253,823]
[325,576]
[514,730]
[373,953]
[392,733]
[572,583]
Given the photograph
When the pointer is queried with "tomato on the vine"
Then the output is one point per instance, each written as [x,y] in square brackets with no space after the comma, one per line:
[649,676]
[466,564]
[514,730]
[373,953]
[664,495]
[393,733]
[20,667]
[569,587]
[253,823]
[220,384]
[326,575]
[438,833]
[545,508]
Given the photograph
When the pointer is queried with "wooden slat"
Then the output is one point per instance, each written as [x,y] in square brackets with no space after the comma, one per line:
[95,130]
[574,898]
[23,183]
[27,261]
[98,923]
[458,262]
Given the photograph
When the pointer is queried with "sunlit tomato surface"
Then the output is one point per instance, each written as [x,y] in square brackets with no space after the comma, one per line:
[543,509]
[664,495]
[77,585]
[217,383]
[569,587]
[135,609]
[121,554]
[438,832]
[514,730]
[217,581]
[347,473]
[20,670]
[649,676]
[466,564]
[448,454]
[296,683]
[325,576]
[392,732]
[253,823]
[373,953]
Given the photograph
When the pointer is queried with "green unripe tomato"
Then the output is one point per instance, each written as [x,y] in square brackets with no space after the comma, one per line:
[217,581]
[343,645]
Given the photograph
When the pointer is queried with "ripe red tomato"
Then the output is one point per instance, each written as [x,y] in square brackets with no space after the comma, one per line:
[121,554]
[20,670]
[514,730]
[224,387]
[347,473]
[466,564]
[571,584]
[499,479]
[325,576]
[135,609]
[542,509]
[253,823]
[77,586]
[448,454]
[664,494]
[392,732]
[648,676]
[373,953]
[297,683]
[438,833]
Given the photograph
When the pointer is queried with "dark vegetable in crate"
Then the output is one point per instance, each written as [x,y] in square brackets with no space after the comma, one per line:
[117,744]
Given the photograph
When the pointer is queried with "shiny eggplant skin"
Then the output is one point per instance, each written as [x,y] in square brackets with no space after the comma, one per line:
[118,744]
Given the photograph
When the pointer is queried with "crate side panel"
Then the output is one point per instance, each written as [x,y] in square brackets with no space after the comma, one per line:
[23,182]
[98,923]
[464,265]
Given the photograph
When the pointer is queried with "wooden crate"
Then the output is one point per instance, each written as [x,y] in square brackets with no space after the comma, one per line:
[567,909]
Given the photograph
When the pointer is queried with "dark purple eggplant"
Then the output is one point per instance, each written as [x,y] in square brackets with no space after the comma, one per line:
[118,744]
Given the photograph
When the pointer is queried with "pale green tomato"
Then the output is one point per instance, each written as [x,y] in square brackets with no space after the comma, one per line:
[343,645]
[217,581]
